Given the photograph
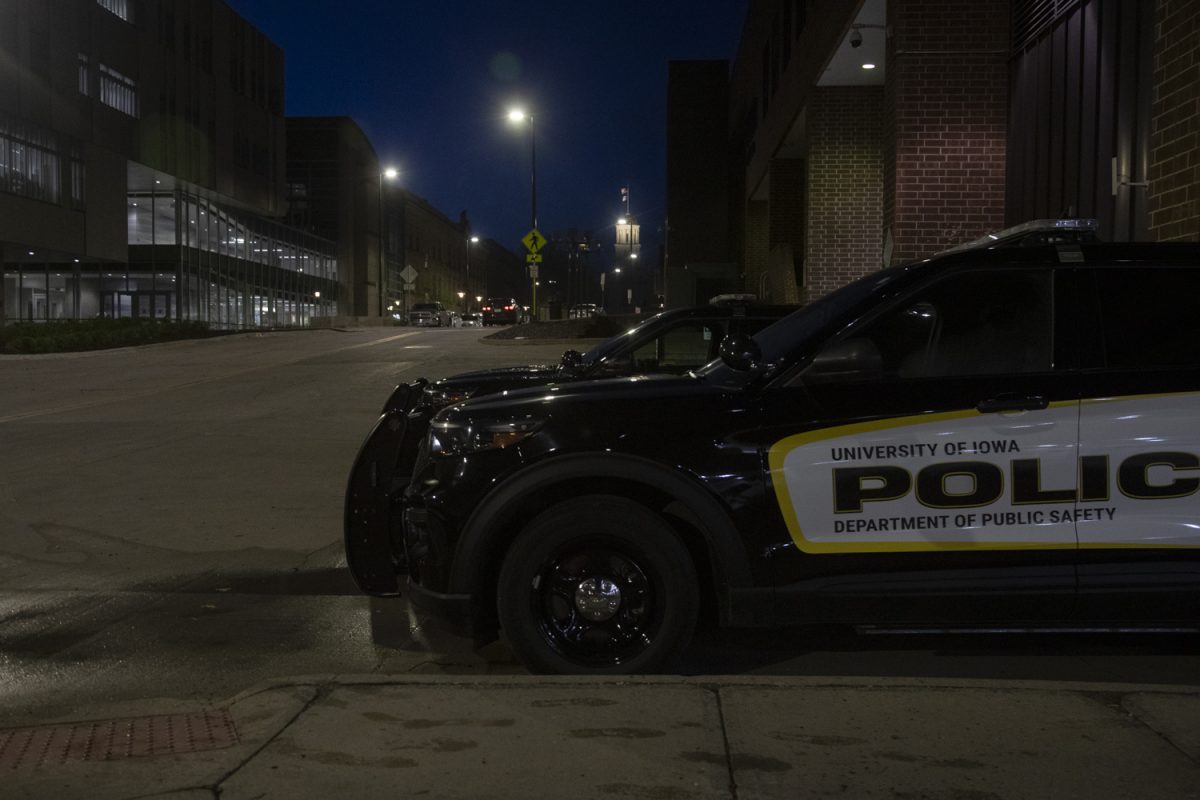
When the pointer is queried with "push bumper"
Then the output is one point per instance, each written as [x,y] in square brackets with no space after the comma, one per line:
[373,516]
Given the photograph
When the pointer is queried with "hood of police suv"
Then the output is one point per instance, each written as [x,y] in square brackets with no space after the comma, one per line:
[617,414]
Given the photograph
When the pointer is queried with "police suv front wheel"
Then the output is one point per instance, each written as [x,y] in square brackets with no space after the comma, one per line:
[597,585]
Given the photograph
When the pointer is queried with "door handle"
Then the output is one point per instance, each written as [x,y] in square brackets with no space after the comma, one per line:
[1012,401]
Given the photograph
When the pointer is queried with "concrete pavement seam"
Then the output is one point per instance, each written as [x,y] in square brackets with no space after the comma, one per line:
[733,790]
[1116,701]
[319,693]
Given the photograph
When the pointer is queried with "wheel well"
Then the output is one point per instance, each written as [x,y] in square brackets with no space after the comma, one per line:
[674,512]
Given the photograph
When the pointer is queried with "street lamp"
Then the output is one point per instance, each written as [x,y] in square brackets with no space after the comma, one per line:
[467,277]
[391,173]
[461,295]
[517,116]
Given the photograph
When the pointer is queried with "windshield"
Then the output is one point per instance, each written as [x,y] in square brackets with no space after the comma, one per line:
[778,340]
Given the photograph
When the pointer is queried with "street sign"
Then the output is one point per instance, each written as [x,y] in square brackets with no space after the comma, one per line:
[410,287]
[533,270]
[533,258]
[408,275]
[534,241]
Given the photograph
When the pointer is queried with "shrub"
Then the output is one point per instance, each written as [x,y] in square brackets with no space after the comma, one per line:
[94,334]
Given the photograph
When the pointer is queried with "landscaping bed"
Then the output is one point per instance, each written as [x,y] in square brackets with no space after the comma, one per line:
[94,334]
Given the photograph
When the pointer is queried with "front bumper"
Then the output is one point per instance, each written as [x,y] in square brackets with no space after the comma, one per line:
[372,514]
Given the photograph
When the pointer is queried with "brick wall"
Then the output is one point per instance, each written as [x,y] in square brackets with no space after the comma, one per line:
[845,187]
[946,114]
[1175,137]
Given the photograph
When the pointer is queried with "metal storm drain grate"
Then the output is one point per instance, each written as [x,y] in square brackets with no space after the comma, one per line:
[115,739]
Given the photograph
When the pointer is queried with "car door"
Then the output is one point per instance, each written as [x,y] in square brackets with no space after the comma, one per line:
[924,461]
[1139,527]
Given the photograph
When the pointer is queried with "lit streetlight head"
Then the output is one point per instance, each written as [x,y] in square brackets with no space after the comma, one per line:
[391,173]
[474,239]
[633,256]
[516,115]
[622,221]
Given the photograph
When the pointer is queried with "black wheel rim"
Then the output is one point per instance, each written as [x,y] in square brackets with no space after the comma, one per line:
[608,637]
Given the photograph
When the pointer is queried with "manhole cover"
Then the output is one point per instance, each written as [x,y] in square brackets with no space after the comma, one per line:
[115,739]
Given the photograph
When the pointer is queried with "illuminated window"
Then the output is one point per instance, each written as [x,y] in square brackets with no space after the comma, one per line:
[120,8]
[30,165]
[118,91]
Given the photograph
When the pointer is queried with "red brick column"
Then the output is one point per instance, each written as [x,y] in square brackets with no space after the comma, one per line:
[1175,126]
[845,187]
[945,123]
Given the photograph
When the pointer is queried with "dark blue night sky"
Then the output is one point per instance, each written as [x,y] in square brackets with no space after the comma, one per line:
[430,82]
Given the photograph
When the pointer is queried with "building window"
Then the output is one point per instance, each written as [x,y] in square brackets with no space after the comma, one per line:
[801,17]
[118,91]
[30,165]
[85,75]
[120,8]
[78,180]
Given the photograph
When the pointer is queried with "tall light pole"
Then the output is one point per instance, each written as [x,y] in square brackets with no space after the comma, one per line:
[518,115]
[467,279]
[391,173]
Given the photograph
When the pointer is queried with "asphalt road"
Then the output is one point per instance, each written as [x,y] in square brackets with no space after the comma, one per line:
[170,527]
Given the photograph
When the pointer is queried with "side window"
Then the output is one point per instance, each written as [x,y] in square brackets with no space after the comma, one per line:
[678,350]
[1148,318]
[688,347]
[972,323]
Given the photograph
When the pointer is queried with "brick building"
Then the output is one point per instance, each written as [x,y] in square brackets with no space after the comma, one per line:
[869,133]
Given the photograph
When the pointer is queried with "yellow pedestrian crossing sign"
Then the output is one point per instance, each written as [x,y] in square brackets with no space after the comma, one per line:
[534,241]
[533,258]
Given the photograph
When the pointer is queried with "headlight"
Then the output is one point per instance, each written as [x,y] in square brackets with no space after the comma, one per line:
[440,397]
[452,438]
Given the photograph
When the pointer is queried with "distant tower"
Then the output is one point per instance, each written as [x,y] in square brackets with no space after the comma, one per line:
[629,240]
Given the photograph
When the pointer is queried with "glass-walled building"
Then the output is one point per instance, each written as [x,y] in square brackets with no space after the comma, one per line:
[142,168]
[189,259]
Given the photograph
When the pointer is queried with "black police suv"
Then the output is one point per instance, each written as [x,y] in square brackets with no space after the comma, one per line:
[671,342]
[998,434]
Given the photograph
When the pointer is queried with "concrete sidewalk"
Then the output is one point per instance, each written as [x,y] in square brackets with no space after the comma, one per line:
[658,738]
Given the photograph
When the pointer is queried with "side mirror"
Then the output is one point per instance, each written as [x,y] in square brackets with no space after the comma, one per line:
[851,358]
[570,363]
[740,352]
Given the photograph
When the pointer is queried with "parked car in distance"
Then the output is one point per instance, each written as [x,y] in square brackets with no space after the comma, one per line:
[501,311]
[584,310]
[472,320]
[429,315]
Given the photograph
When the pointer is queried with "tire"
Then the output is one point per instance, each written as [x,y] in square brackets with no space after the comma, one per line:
[644,598]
